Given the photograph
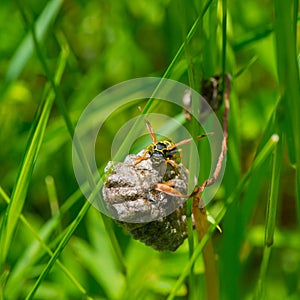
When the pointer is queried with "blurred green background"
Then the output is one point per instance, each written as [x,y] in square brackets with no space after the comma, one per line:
[79,49]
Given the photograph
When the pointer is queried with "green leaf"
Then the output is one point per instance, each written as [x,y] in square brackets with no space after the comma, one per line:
[35,139]
[26,48]
[289,81]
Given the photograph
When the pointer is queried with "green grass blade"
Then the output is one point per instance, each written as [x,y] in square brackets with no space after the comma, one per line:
[263,270]
[210,60]
[87,205]
[167,74]
[70,127]
[274,189]
[33,253]
[252,37]
[66,237]
[270,217]
[59,249]
[224,41]
[245,68]
[46,69]
[181,48]
[235,195]
[289,81]
[252,193]
[52,195]
[33,146]
[26,47]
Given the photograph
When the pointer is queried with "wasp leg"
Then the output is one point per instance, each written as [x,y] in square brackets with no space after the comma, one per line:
[174,164]
[168,188]
[171,162]
[143,157]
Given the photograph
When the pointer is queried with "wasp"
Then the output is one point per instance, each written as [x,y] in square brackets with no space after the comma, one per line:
[164,150]
[167,152]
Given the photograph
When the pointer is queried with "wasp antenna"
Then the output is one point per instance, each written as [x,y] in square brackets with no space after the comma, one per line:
[189,140]
[181,143]
[149,127]
[204,135]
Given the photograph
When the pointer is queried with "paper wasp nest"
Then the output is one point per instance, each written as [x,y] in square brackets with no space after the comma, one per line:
[151,216]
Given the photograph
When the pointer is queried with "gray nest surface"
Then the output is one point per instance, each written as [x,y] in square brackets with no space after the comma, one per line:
[151,216]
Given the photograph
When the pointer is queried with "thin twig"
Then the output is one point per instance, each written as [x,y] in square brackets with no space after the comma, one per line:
[199,211]
[218,168]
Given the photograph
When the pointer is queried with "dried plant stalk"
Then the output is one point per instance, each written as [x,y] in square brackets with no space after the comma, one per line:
[199,211]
